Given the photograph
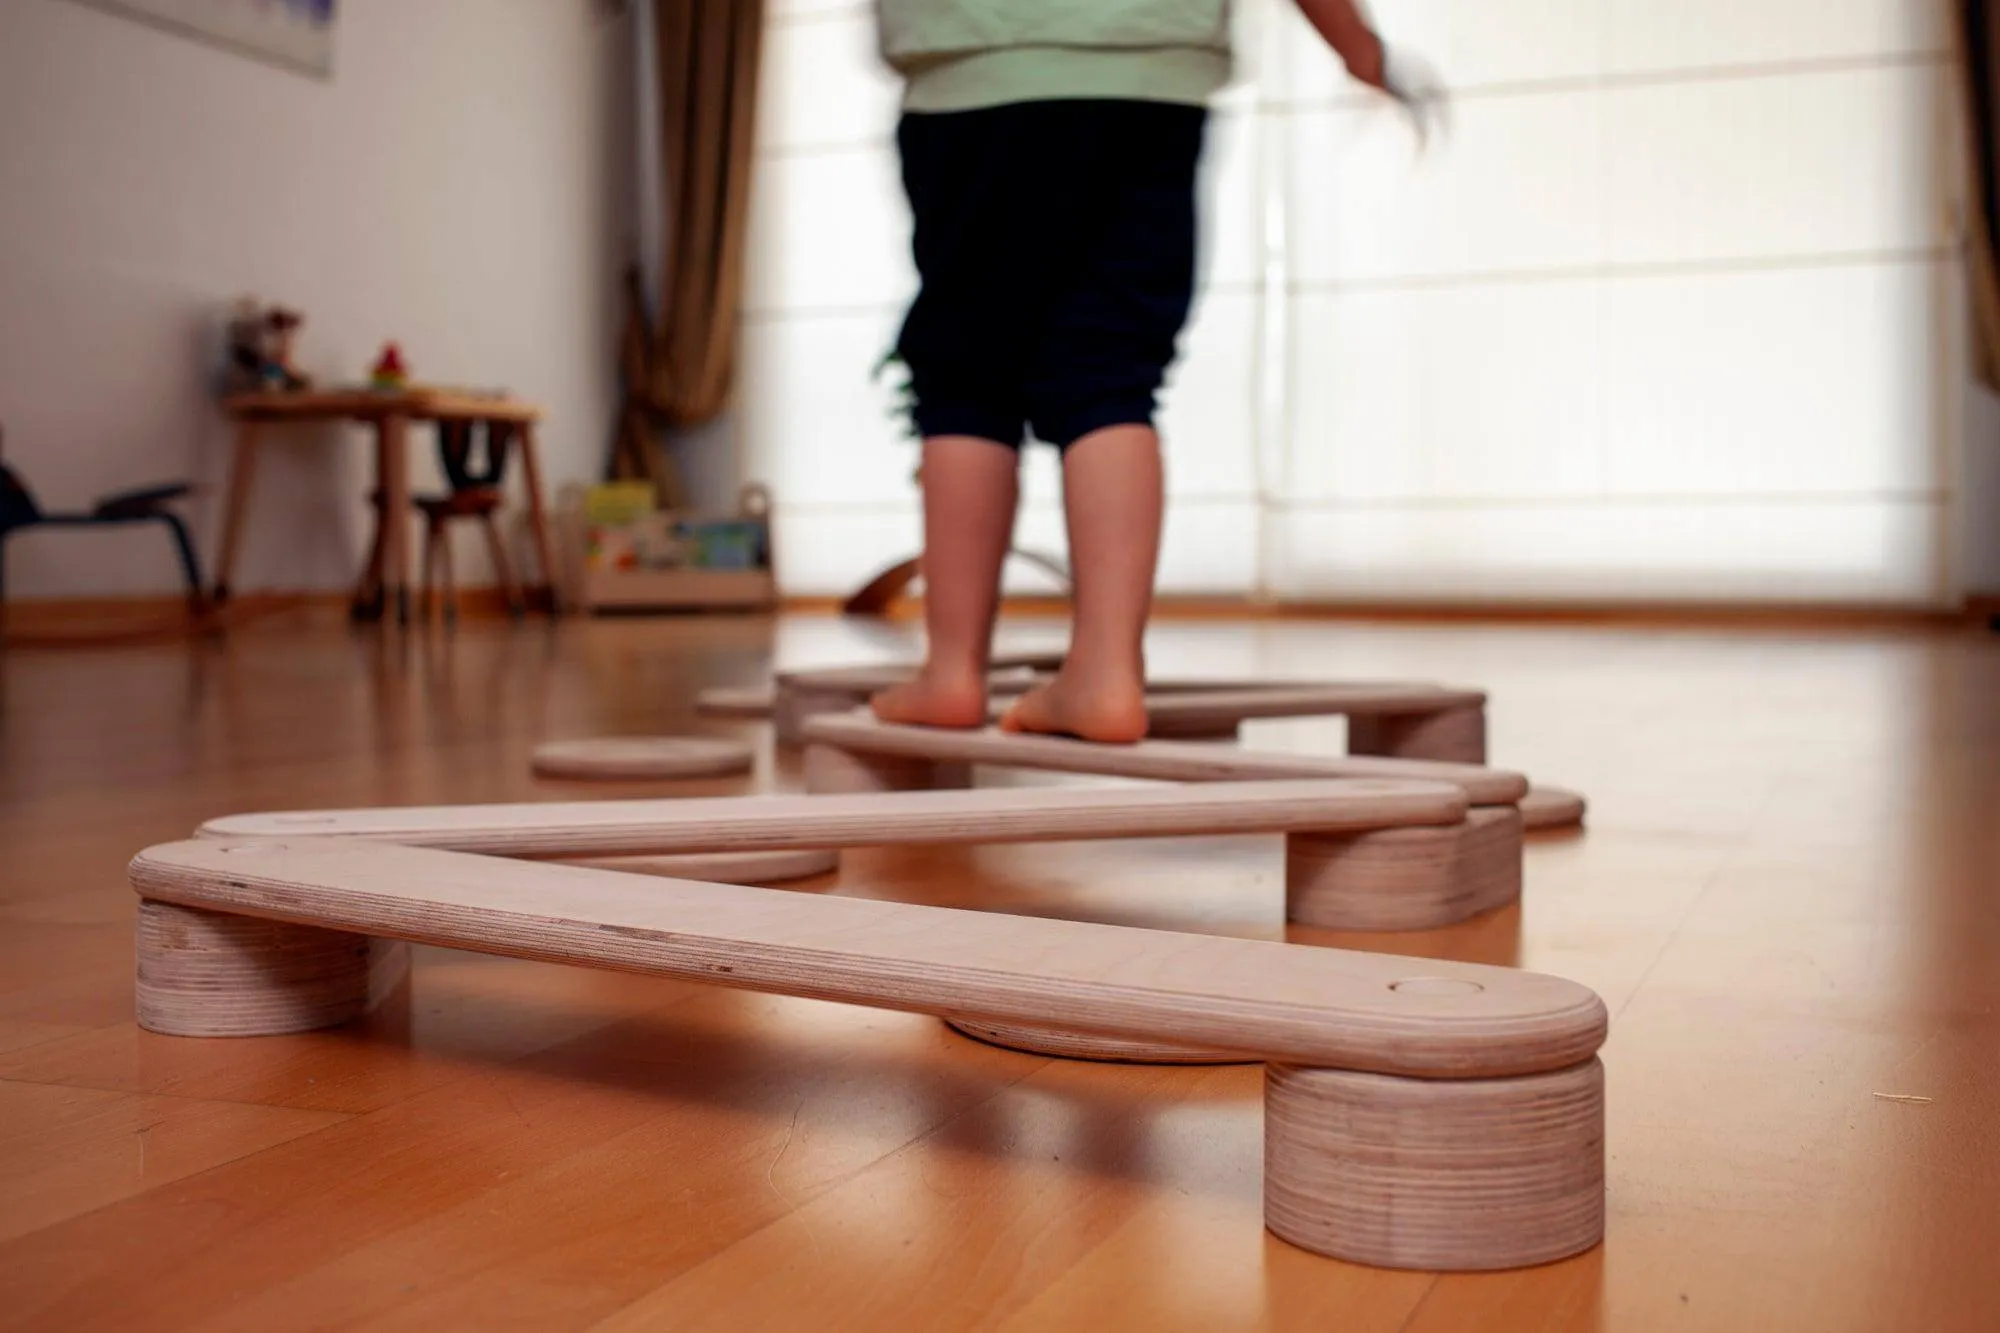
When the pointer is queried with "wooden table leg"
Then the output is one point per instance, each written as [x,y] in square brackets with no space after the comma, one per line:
[395,436]
[242,476]
[538,519]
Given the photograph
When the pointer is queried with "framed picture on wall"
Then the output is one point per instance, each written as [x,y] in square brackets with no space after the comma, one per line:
[297,34]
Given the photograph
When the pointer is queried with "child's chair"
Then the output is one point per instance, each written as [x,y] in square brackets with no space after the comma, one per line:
[474,457]
[19,512]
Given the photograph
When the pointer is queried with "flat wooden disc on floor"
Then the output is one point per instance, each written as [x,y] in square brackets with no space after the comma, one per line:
[723,867]
[1551,807]
[736,701]
[627,758]
[1089,1046]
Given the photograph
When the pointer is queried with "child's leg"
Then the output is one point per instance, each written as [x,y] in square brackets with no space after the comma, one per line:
[971,487]
[1113,495]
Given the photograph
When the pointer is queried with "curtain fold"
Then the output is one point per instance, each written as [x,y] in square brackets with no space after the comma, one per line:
[1978,24]
[679,367]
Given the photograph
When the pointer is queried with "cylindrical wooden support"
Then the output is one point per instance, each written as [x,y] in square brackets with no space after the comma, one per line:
[792,706]
[1194,729]
[1435,1174]
[1405,878]
[211,974]
[1454,736]
[834,771]
[1067,1045]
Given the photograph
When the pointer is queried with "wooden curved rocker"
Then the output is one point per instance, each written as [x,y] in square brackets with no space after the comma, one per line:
[1417,1114]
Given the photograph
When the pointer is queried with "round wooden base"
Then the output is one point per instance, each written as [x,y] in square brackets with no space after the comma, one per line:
[1406,878]
[640,758]
[795,705]
[1435,1174]
[1088,1046]
[1551,808]
[209,974]
[723,867]
[1454,736]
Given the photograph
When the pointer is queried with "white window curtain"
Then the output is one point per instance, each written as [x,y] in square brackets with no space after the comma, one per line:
[1668,317]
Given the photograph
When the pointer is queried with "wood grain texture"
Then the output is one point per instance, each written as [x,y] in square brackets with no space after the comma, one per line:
[1410,1173]
[1453,735]
[1788,916]
[1169,761]
[1405,879]
[1312,1006]
[210,974]
[722,867]
[569,829]
[633,758]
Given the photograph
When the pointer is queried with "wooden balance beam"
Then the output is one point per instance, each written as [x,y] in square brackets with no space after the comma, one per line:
[1394,719]
[1418,1114]
[1324,820]
[1391,879]
[564,830]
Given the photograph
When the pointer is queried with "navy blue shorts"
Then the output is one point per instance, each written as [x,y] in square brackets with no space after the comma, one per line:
[1055,242]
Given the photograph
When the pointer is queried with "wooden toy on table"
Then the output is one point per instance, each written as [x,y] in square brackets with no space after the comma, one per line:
[1418,1114]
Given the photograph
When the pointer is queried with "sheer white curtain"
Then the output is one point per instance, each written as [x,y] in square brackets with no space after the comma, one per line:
[1666,317]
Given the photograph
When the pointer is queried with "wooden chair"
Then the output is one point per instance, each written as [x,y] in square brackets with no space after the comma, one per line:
[474,494]
[19,511]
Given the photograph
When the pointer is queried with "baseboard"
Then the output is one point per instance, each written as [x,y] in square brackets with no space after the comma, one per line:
[63,620]
[1799,616]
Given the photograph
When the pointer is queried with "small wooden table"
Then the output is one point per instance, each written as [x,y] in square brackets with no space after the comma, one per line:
[390,413]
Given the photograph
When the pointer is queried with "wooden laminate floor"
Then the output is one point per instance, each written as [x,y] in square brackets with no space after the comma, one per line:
[1789,896]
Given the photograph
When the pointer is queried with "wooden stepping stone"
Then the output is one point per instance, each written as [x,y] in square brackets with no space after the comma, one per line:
[638,758]
[1551,808]
[1418,1114]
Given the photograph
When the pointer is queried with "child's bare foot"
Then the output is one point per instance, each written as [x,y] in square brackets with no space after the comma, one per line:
[1095,706]
[931,699]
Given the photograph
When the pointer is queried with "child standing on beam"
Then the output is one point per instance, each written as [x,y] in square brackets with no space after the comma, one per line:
[1049,151]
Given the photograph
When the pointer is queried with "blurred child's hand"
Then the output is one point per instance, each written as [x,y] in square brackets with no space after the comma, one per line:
[1416,84]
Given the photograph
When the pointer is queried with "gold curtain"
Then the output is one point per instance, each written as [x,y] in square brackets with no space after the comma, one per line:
[1978,24]
[680,372]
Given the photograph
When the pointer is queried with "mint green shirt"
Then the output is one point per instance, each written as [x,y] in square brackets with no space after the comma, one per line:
[957,55]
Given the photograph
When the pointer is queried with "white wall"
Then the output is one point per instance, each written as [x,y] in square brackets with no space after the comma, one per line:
[461,185]
[1664,318]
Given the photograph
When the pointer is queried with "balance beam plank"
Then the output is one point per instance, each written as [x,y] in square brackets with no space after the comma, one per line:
[1166,761]
[557,830]
[1322,1007]
[1492,1071]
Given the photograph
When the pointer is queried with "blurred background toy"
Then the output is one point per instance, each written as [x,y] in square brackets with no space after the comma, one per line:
[389,374]
[262,344]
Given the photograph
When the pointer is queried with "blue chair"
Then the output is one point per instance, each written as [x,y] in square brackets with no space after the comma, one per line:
[19,512]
